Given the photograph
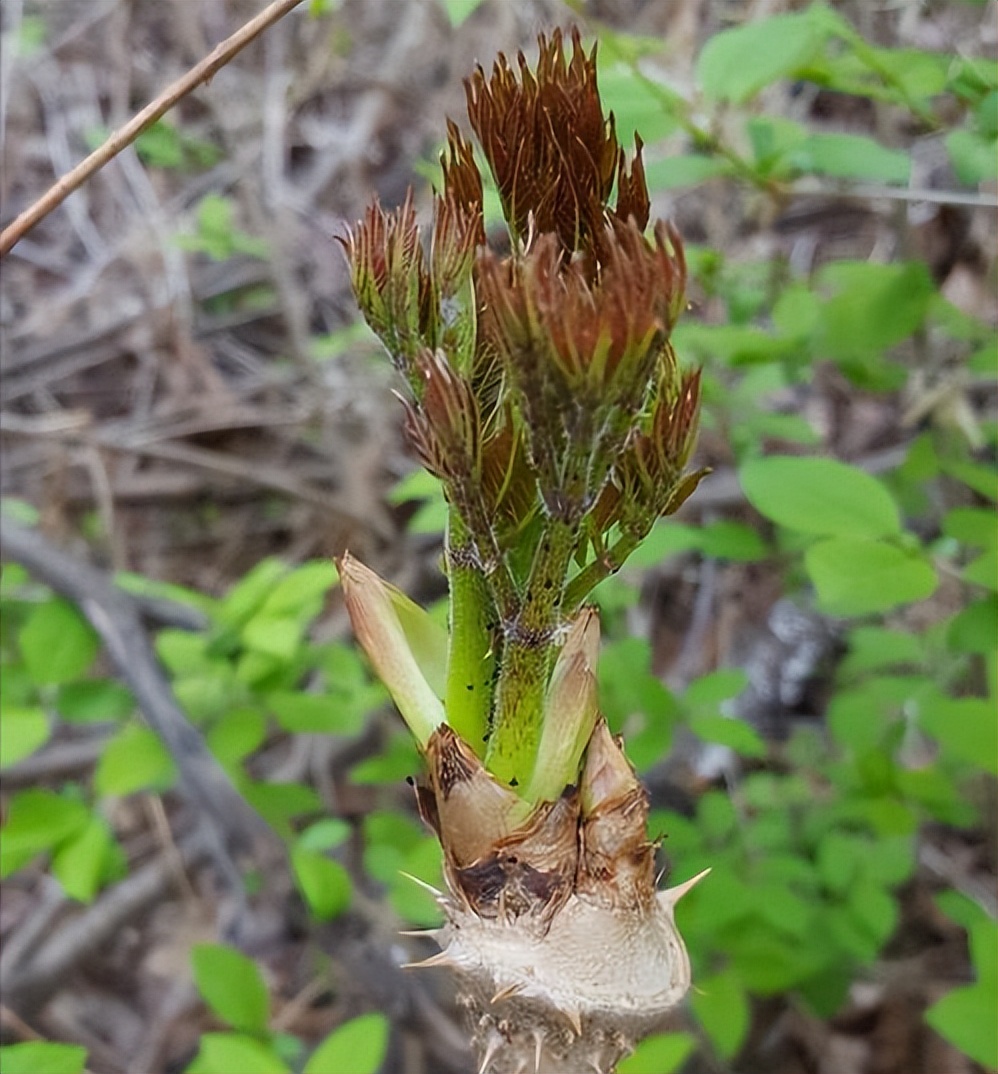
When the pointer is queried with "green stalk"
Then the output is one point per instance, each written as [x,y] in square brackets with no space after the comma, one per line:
[601,568]
[531,644]
[470,656]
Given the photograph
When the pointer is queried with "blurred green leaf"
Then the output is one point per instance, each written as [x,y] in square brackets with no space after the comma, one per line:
[313,713]
[663,1053]
[974,158]
[237,734]
[735,64]
[722,1008]
[459,10]
[858,577]
[80,862]
[356,1047]
[965,727]
[37,820]
[42,1057]
[22,731]
[57,643]
[94,700]
[821,496]
[324,883]
[225,1053]
[134,760]
[851,156]
[231,985]
[324,834]
[300,591]
[873,307]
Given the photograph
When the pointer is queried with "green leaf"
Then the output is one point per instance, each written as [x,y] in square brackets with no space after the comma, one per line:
[94,700]
[324,883]
[249,593]
[716,818]
[280,803]
[735,345]
[722,1007]
[237,734]
[42,1057]
[733,733]
[975,628]
[982,479]
[875,911]
[973,526]
[735,64]
[225,1053]
[872,648]
[874,307]
[393,764]
[302,590]
[966,1018]
[356,1047]
[796,311]
[324,834]
[640,104]
[772,138]
[314,713]
[683,170]
[277,636]
[80,863]
[851,156]
[57,643]
[231,985]
[37,820]
[23,730]
[459,10]
[983,571]
[965,728]
[821,496]
[858,577]
[708,691]
[732,540]
[134,760]
[663,1053]
[974,158]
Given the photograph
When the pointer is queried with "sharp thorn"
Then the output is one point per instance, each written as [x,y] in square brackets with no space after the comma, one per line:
[435,892]
[441,958]
[506,993]
[422,934]
[671,896]
[495,1043]
[538,1050]
[575,1019]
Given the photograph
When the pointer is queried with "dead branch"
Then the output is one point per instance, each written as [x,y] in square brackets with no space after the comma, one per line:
[27,985]
[124,136]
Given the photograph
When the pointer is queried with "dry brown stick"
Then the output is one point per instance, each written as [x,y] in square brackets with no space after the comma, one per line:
[124,136]
[28,985]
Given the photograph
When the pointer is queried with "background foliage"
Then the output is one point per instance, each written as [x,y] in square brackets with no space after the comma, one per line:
[841,844]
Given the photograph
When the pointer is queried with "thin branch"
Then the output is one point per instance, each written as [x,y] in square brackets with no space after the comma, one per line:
[873,191]
[124,136]
[28,985]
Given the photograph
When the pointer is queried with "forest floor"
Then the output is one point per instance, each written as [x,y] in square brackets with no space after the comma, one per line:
[183,407]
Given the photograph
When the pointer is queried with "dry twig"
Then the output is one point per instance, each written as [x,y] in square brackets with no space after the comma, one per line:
[124,136]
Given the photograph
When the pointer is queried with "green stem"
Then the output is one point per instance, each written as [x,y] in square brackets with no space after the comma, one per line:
[470,657]
[531,642]
[593,573]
